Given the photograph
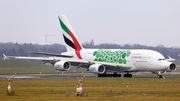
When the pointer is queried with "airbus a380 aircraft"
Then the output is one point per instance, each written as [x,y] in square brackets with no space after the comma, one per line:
[104,61]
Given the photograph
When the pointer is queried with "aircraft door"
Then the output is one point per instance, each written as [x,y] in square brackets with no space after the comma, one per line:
[133,60]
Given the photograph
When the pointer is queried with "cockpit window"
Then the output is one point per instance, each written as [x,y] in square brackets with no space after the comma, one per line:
[160,59]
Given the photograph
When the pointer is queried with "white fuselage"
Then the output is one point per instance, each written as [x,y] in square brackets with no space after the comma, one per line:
[140,60]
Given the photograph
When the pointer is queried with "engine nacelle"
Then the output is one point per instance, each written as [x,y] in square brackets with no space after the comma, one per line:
[97,68]
[62,65]
[172,67]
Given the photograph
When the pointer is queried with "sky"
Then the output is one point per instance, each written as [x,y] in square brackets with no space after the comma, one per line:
[145,22]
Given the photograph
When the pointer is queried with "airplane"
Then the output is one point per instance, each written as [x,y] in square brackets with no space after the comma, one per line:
[104,62]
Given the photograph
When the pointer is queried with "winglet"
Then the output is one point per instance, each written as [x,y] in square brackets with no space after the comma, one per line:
[5,57]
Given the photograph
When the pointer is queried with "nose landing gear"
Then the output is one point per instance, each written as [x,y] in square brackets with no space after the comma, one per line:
[159,76]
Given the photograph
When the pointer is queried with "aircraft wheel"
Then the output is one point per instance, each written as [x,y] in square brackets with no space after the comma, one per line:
[159,76]
[127,75]
[108,75]
[130,75]
[119,75]
[115,75]
[104,75]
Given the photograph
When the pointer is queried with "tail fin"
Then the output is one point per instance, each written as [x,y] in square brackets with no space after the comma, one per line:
[72,43]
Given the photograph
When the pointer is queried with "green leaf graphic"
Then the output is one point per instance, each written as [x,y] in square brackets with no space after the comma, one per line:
[118,56]
[94,53]
[123,55]
[124,61]
[120,61]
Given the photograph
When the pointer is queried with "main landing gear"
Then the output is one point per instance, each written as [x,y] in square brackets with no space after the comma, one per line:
[115,75]
[127,75]
[109,75]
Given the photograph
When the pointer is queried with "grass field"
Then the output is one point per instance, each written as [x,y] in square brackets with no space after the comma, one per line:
[14,66]
[141,88]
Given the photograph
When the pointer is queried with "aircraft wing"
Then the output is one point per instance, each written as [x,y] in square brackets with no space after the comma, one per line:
[73,60]
[27,58]
[76,62]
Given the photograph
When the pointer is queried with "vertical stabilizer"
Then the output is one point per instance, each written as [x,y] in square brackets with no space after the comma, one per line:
[72,43]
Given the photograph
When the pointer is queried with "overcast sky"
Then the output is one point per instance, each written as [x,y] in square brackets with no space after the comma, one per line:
[145,22]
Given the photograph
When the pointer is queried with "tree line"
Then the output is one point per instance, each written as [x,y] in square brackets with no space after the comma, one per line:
[15,49]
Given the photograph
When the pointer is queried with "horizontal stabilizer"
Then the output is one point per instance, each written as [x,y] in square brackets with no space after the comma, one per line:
[52,54]
[170,59]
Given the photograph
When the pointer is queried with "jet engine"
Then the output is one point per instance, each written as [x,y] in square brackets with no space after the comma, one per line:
[97,68]
[62,65]
[172,67]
